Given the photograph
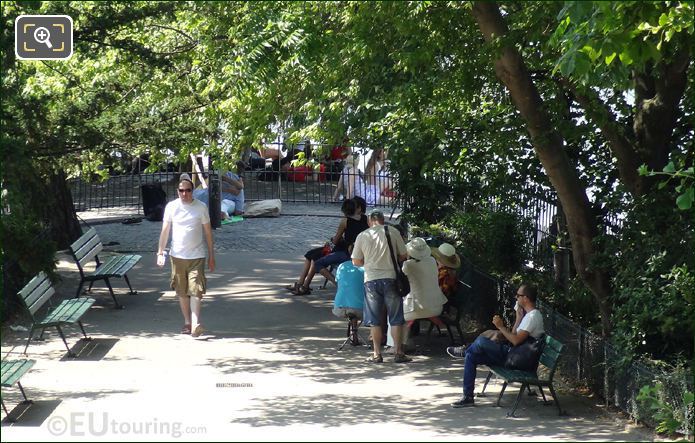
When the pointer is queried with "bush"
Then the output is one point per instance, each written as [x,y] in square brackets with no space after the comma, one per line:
[654,282]
[27,250]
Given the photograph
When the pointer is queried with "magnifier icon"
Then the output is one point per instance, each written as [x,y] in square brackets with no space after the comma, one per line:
[42,35]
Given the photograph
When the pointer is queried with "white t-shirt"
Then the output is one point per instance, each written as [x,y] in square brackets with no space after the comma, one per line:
[372,247]
[532,323]
[187,222]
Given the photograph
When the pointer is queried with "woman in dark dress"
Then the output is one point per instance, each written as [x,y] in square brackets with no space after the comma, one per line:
[316,261]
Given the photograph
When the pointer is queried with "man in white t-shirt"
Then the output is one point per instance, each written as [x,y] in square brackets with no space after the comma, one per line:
[484,351]
[371,250]
[189,223]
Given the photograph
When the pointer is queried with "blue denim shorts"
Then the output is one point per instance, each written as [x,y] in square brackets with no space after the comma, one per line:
[380,292]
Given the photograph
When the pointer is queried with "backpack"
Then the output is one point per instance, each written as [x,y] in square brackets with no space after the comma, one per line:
[154,200]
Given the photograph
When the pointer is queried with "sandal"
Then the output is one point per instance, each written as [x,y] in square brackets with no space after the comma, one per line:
[375,359]
[186,329]
[293,287]
[301,290]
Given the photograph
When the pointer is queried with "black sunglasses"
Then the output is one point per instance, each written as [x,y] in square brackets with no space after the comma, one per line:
[185,190]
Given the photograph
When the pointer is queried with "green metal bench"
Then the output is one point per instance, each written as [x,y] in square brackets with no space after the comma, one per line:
[87,248]
[549,358]
[12,371]
[39,291]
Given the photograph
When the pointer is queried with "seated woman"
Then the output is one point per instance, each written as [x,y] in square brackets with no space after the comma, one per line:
[448,263]
[315,261]
[425,299]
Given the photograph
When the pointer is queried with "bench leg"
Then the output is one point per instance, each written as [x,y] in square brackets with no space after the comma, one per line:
[21,389]
[557,400]
[60,331]
[458,329]
[91,283]
[79,322]
[4,408]
[79,289]
[132,292]
[113,296]
[31,332]
[487,380]
[540,388]
[451,335]
[518,397]
[499,399]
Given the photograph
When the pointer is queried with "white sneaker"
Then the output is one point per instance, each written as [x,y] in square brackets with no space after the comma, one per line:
[198,331]
[456,351]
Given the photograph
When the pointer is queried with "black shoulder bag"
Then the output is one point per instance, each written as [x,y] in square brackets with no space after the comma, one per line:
[402,283]
[525,356]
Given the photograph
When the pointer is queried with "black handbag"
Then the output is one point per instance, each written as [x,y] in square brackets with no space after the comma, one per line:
[402,283]
[525,356]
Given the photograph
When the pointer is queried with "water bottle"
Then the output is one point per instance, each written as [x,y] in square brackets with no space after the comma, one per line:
[162,258]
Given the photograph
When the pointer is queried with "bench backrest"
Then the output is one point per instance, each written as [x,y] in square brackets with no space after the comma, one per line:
[86,247]
[36,292]
[551,354]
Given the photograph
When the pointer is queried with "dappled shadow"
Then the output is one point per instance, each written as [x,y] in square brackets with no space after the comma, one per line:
[286,348]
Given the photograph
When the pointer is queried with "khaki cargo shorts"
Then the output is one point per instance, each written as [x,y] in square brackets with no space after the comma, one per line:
[188,276]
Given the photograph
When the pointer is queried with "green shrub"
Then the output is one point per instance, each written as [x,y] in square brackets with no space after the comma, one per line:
[654,282]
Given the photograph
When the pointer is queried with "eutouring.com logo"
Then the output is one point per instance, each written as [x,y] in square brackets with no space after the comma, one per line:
[95,424]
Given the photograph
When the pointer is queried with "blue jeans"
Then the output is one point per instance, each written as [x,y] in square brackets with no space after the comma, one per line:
[380,292]
[482,351]
[202,195]
[334,258]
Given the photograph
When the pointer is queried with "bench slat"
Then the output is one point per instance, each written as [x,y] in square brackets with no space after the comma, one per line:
[67,312]
[117,266]
[36,292]
[87,247]
[13,370]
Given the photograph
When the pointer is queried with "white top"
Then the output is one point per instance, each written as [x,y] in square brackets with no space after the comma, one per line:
[372,247]
[532,323]
[425,298]
[187,222]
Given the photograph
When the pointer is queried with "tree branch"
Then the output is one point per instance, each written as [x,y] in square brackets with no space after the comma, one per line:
[623,148]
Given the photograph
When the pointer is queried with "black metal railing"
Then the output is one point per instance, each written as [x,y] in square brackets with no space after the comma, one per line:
[297,185]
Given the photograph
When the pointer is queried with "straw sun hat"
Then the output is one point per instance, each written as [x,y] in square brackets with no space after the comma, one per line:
[447,256]
[418,249]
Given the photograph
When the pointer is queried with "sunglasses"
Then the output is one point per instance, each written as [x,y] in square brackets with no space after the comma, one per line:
[183,191]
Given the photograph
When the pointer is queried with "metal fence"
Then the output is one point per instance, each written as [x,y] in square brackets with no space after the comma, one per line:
[300,185]
[588,360]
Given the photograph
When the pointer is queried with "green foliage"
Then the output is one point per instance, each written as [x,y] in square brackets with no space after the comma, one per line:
[669,419]
[686,188]
[654,283]
[26,251]
[612,38]
[492,240]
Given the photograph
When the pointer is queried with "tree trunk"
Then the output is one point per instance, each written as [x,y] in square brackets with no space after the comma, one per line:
[59,211]
[548,145]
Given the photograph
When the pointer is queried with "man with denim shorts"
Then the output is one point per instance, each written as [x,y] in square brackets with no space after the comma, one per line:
[189,223]
[371,250]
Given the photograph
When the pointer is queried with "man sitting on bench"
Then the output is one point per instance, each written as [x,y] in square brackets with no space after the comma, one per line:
[484,351]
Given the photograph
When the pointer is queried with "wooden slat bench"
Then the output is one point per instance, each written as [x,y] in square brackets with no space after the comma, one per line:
[12,371]
[39,291]
[87,248]
[549,358]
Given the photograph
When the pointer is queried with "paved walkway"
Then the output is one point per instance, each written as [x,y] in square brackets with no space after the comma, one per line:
[268,369]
